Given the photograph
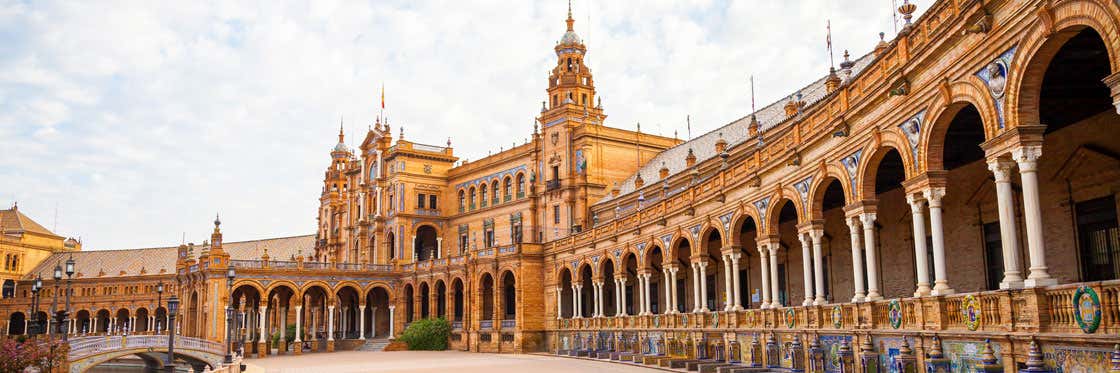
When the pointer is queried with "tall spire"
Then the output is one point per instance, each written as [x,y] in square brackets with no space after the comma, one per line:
[570,20]
[341,136]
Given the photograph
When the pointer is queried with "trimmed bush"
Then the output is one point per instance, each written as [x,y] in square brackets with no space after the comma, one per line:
[427,334]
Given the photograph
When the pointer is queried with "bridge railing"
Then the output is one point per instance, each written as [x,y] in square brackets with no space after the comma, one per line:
[87,346]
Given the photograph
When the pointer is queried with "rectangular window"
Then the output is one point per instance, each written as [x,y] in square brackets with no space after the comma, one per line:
[993,250]
[432,202]
[584,99]
[420,201]
[1099,239]
[556,214]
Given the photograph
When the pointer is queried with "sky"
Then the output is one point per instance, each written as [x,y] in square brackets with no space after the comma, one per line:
[131,124]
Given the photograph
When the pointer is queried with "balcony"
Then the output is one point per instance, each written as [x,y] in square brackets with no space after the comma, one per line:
[552,185]
[427,212]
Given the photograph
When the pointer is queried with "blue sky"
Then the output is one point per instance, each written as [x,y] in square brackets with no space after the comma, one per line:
[137,121]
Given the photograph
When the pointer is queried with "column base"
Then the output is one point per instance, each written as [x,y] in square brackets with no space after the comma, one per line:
[330,346]
[315,346]
[942,289]
[737,308]
[858,298]
[262,350]
[298,348]
[807,303]
[1038,282]
[820,301]
[874,297]
[923,291]
[1013,284]
[283,347]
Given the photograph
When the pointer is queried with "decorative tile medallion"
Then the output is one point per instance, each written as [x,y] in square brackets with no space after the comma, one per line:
[894,313]
[837,316]
[791,318]
[970,307]
[1087,309]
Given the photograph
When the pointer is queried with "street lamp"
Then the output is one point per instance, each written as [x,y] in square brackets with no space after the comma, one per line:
[159,303]
[35,287]
[230,276]
[172,308]
[66,312]
[57,275]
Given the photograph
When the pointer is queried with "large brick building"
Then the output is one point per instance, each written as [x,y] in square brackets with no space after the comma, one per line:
[958,183]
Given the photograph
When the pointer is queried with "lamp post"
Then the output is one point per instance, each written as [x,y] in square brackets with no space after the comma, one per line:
[35,287]
[65,315]
[230,275]
[159,303]
[172,307]
[57,275]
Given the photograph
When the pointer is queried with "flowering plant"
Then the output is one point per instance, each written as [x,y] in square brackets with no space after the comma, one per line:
[17,355]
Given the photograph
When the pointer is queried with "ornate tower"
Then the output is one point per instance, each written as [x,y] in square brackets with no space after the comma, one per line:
[570,107]
[333,210]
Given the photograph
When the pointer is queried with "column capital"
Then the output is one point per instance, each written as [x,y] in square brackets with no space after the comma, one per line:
[934,196]
[1027,157]
[392,307]
[916,201]
[809,226]
[1001,169]
[1113,83]
[868,219]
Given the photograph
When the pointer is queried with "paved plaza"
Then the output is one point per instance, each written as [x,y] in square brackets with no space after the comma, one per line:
[432,361]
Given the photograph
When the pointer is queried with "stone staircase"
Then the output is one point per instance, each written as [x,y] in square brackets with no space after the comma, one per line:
[374,344]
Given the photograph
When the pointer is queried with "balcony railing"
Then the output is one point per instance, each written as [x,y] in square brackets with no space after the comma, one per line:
[999,311]
[509,324]
[552,184]
[486,324]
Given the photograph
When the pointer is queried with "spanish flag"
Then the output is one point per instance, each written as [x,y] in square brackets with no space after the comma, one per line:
[382,96]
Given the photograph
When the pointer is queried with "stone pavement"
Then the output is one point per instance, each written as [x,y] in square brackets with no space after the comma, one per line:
[432,361]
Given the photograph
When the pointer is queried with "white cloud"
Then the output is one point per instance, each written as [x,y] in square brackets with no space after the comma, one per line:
[140,120]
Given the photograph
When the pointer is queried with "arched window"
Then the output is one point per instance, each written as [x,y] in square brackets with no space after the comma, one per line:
[462,201]
[473,192]
[508,189]
[494,189]
[482,193]
[520,186]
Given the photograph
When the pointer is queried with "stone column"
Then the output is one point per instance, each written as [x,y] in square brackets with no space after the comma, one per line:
[673,282]
[807,267]
[727,292]
[362,322]
[857,259]
[1009,237]
[736,295]
[576,295]
[940,279]
[622,293]
[392,319]
[598,294]
[373,322]
[668,280]
[262,342]
[918,218]
[647,303]
[776,301]
[299,324]
[330,323]
[818,265]
[703,266]
[868,220]
[695,287]
[764,259]
[439,247]
[1027,157]
[559,302]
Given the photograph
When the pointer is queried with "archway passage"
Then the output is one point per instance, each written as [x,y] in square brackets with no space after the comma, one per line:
[346,323]
[661,294]
[441,299]
[749,296]
[459,296]
[566,294]
[714,274]
[1080,164]
[586,292]
[409,303]
[377,312]
[426,245]
[685,290]
[486,285]
[425,300]
[82,322]
[16,323]
[509,298]
[785,266]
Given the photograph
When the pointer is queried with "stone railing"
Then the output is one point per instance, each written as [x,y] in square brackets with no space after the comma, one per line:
[88,346]
[1048,310]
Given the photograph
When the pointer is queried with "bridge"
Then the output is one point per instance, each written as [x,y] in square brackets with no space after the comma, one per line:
[87,352]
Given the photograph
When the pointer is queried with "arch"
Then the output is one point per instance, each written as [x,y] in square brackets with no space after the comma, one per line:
[495,186]
[820,185]
[307,286]
[565,280]
[440,291]
[458,295]
[773,217]
[486,292]
[585,267]
[743,216]
[142,324]
[377,301]
[16,323]
[509,295]
[1041,44]
[473,196]
[869,167]
[462,198]
[409,302]
[379,285]
[507,188]
[709,229]
[101,321]
[676,242]
[426,243]
[286,284]
[969,91]
[520,180]
[602,265]
[391,242]
[483,195]
[82,319]
[248,283]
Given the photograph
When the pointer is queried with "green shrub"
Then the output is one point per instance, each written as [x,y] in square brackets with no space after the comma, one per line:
[427,334]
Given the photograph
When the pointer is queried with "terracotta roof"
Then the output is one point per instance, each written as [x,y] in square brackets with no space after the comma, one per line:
[153,260]
[12,221]
[734,133]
